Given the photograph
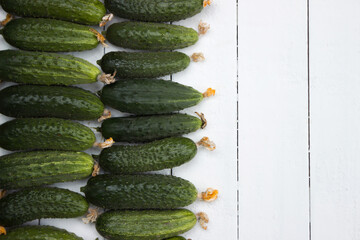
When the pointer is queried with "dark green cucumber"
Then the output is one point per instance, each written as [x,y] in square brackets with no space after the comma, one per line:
[157,155]
[39,233]
[149,96]
[143,64]
[45,133]
[45,68]
[144,225]
[155,10]
[149,128]
[48,35]
[36,203]
[88,12]
[139,191]
[28,169]
[50,101]
[150,36]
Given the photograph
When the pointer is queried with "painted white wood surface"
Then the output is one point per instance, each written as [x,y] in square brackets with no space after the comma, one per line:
[335,118]
[216,169]
[274,200]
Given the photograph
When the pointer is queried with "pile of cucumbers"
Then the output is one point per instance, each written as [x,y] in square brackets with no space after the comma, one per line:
[48,141]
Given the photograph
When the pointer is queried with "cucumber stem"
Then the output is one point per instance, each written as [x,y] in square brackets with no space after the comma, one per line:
[8,18]
[209,195]
[107,78]
[107,18]
[96,170]
[99,37]
[108,143]
[209,93]
[206,143]
[2,230]
[2,193]
[92,215]
[207,3]
[203,119]
[106,115]
[197,57]
[203,28]
[203,219]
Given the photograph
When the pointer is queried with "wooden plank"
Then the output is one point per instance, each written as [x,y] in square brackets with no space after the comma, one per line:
[273,120]
[335,117]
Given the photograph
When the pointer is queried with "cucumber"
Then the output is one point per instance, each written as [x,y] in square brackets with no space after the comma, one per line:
[50,101]
[149,128]
[39,233]
[48,35]
[45,133]
[139,192]
[149,96]
[157,155]
[145,224]
[45,68]
[155,10]
[28,169]
[143,64]
[150,36]
[88,12]
[36,203]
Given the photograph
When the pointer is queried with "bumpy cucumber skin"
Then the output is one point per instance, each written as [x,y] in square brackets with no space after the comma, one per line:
[48,35]
[35,203]
[150,36]
[50,101]
[144,225]
[153,156]
[45,133]
[39,233]
[45,68]
[88,12]
[29,169]
[149,96]
[155,10]
[143,64]
[139,192]
[149,128]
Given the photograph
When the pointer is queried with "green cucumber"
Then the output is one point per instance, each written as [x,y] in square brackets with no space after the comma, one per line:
[155,10]
[143,64]
[45,68]
[145,224]
[45,133]
[150,36]
[39,233]
[139,192]
[36,203]
[153,156]
[28,169]
[48,35]
[149,96]
[88,12]
[149,128]
[50,101]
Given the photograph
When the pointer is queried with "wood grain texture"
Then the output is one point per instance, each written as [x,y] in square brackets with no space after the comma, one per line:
[335,117]
[274,200]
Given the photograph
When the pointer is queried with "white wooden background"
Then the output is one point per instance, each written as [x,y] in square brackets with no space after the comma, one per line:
[292,68]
